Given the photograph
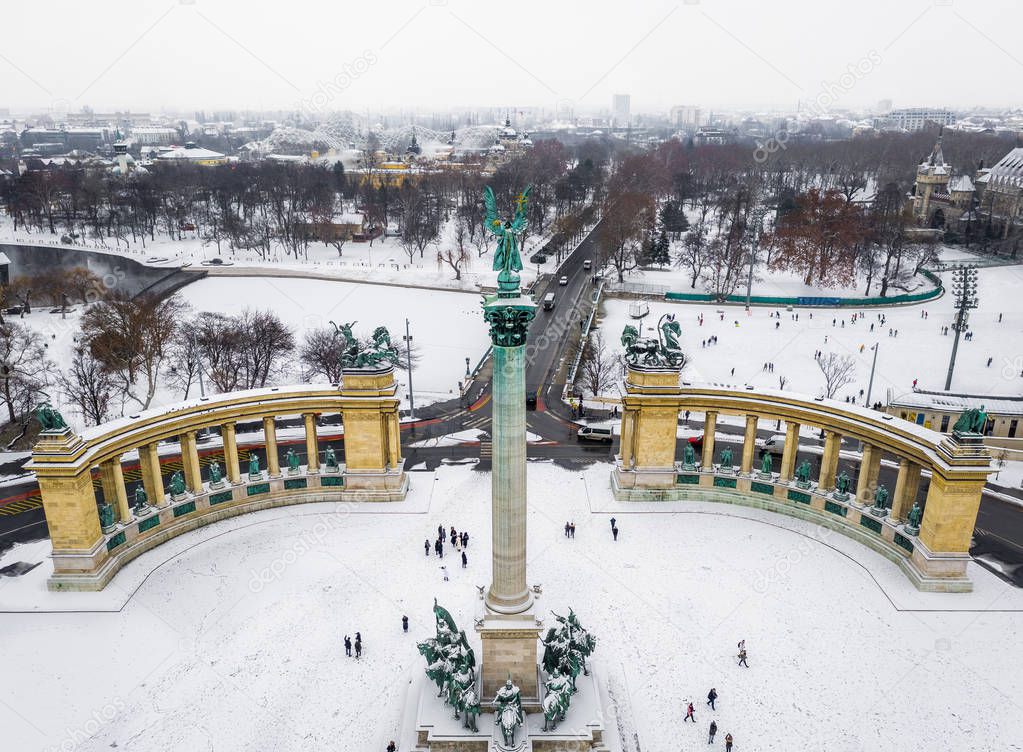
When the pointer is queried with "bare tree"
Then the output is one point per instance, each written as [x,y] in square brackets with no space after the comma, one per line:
[598,366]
[25,371]
[838,370]
[321,354]
[88,386]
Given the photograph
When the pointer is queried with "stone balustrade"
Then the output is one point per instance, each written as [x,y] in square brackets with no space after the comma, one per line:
[934,555]
[87,553]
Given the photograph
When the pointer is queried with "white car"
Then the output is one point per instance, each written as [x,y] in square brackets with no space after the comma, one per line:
[774,444]
[563,281]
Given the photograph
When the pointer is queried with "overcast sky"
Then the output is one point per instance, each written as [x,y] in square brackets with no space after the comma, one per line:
[432,54]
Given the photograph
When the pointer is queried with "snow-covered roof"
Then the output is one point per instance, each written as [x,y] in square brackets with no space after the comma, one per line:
[190,153]
[961,183]
[951,402]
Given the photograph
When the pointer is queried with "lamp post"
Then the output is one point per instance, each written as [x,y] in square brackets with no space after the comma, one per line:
[408,361]
[870,384]
[758,218]
[964,287]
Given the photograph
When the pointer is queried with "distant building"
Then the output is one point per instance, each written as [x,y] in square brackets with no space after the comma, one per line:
[620,106]
[685,117]
[192,154]
[914,119]
[706,136]
[154,135]
[940,410]
[939,198]
[1000,192]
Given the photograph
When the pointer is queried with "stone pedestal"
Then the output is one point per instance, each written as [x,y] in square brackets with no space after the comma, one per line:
[510,648]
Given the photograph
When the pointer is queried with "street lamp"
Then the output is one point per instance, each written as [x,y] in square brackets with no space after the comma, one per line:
[408,360]
[870,384]
[964,287]
[758,219]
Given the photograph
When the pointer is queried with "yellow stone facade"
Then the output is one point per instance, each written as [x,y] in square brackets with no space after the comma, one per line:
[85,557]
[935,557]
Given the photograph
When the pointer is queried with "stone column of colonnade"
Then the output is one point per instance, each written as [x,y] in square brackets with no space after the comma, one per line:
[273,462]
[870,466]
[152,475]
[190,462]
[112,479]
[790,451]
[312,446]
[231,462]
[749,444]
[907,484]
[710,423]
[829,460]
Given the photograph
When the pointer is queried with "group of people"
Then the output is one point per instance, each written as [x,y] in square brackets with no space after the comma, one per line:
[357,645]
[712,697]
[569,529]
[614,528]
[712,340]
[459,541]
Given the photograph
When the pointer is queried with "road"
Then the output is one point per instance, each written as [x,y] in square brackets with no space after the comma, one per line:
[553,337]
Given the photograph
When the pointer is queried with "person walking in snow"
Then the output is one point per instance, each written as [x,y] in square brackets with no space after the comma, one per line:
[711,696]
[444,571]
[713,730]
[440,547]
[571,530]
[404,624]
[690,714]
[614,532]
[358,646]
[613,520]
[742,657]
[391,747]
[728,743]
[426,546]
[566,529]
[465,560]
[348,646]
[465,539]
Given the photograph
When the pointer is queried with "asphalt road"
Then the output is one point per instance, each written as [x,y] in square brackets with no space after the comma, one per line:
[553,336]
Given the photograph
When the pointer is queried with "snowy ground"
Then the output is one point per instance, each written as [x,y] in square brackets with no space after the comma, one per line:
[746,342]
[447,327]
[382,261]
[233,642]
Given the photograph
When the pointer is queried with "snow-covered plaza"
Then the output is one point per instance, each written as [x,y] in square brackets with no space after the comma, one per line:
[229,637]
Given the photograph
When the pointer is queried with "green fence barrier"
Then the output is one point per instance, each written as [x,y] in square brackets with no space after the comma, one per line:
[820,301]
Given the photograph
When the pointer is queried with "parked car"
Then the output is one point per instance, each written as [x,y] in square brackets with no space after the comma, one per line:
[595,433]
[774,444]
[563,281]
[587,264]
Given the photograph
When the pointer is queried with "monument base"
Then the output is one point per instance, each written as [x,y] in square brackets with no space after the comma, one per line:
[510,649]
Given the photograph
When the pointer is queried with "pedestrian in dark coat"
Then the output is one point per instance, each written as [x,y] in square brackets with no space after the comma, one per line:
[391,747]
[571,530]
[612,523]
[348,646]
[566,529]
[713,730]
[711,696]
[404,624]
[614,532]
[465,560]
[690,714]
[426,546]
[440,531]
[440,548]
[358,646]
[728,743]
[742,658]
[465,540]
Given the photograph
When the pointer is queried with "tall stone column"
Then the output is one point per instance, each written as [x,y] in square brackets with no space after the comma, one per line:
[152,476]
[509,631]
[509,319]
